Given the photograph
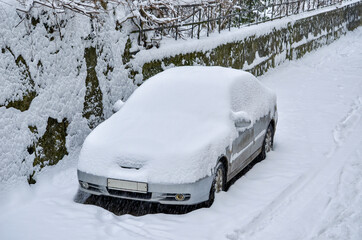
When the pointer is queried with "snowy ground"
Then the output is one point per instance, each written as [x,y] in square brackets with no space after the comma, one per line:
[310,187]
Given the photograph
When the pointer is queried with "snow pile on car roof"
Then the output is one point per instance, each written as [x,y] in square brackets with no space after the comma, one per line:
[175,126]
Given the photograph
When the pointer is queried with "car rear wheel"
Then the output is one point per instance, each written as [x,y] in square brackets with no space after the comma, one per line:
[218,184]
[268,142]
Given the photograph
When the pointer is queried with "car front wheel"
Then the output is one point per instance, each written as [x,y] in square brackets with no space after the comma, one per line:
[218,184]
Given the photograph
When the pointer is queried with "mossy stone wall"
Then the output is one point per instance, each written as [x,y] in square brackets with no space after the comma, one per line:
[290,42]
[50,148]
[93,104]
[22,102]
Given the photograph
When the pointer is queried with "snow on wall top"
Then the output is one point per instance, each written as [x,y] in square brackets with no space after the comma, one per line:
[175,126]
[170,47]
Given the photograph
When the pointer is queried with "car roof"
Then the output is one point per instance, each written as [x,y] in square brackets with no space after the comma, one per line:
[194,90]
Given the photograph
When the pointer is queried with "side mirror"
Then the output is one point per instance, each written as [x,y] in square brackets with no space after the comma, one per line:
[242,123]
[241,119]
[117,106]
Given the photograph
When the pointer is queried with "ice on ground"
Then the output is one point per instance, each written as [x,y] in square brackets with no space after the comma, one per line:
[176,125]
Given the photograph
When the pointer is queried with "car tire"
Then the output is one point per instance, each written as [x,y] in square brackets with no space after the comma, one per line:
[218,184]
[268,142]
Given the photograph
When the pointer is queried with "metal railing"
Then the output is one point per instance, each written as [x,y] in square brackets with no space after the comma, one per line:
[196,20]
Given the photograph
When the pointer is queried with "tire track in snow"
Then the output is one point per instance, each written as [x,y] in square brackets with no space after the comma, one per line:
[343,129]
[347,202]
[336,226]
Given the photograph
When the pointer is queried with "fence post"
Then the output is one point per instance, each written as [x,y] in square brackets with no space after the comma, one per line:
[298,7]
[229,22]
[176,26]
[198,25]
[193,20]
[239,14]
[303,8]
[264,6]
[141,32]
[249,11]
[219,17]
[208,18]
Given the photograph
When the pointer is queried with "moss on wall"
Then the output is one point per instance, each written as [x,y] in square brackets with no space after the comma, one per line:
[127,54]
[93,105]
[50,148]
[23,101]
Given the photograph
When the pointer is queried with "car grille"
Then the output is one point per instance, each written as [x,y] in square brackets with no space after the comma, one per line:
[137,168]
[130,194]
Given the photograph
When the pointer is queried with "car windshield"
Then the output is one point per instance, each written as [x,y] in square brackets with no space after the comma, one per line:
[189,94]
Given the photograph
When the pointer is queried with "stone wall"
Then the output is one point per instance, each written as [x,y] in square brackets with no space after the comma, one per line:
[292,41]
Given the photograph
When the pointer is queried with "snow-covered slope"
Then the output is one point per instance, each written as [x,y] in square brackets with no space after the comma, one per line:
[309,187]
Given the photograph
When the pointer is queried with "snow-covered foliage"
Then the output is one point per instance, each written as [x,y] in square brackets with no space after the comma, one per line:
[176,125]
[157,15]
[118,105]
[46,54]
[154,19]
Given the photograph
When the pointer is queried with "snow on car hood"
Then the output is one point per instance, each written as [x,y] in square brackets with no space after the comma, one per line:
[172,129]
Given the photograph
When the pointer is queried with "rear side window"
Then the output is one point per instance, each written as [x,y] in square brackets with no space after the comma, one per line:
[241,95]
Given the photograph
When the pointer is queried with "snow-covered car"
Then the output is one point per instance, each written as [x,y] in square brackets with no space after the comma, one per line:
[180,137]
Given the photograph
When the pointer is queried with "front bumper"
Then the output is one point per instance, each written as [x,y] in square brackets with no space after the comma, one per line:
[194,193]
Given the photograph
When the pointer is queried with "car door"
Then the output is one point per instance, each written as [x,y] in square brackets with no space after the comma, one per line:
[260,127]
[241,149]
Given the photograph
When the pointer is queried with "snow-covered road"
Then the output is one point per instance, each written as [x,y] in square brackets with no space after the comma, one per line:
[310,187]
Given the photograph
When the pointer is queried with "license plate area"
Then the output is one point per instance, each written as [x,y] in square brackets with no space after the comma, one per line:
[127,185]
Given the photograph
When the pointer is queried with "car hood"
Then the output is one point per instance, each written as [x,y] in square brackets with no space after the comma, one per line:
[162,149]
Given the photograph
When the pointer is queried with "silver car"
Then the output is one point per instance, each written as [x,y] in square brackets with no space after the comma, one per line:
[181,137]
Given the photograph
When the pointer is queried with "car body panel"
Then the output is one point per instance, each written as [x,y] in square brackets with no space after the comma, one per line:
[247,146]
[198,191]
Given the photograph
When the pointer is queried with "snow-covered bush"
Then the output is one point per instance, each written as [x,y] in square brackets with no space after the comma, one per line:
[154,19]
